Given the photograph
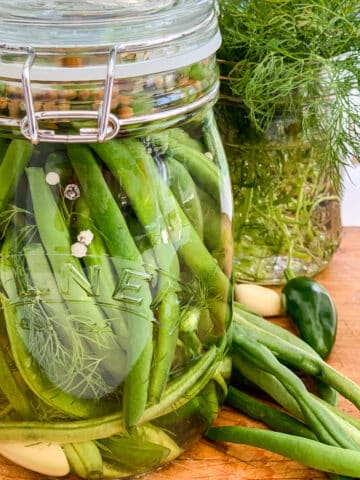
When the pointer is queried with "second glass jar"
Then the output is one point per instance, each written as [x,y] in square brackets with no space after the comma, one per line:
[286,209]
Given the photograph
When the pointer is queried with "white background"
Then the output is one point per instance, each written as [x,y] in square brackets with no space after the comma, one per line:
[350,207]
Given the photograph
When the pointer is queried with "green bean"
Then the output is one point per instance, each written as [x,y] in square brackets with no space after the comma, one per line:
[329,394]
[184,190]
[216,148]
[203,265]
[46,288]
[3,147]
[101,276]
[339,421]
[58,162]
[209,403]
[69,276]
[85,459]
[35,379]
[132,452]
[181,136]
[295,353]
[71,368]
[128,265]
[330,421]
[147,253]
[166,342]
[274,418]
[201,168]
[309,452]
[217,231]
[15,311]
[243,315]
[14,162]
[315,415]
[135,392]
[289,382]
[187,386]
[110,470]
[132,166]
[76,431]
[355,422]
[10,388]
[178,393]
[267,382]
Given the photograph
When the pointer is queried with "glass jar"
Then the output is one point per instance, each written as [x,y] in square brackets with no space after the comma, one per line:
[115,215]
[286,209]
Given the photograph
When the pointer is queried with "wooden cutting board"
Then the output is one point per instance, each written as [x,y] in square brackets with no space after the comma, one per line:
[206,461]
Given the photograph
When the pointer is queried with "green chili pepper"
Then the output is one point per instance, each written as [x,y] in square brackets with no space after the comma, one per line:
[313,311]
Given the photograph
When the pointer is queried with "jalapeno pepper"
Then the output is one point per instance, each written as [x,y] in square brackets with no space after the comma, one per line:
[313,311]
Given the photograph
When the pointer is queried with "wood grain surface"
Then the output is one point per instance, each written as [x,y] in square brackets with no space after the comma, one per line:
[206,461]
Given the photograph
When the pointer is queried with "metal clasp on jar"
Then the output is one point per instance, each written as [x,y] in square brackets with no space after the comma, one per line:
[108,124]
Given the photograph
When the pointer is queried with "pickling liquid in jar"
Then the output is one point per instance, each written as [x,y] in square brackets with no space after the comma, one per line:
[116,244]
[286,207]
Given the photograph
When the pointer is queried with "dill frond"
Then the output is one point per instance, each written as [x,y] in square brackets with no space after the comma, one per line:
[286,55]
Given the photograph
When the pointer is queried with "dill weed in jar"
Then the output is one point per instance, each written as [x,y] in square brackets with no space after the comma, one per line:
[115,285]
[287,210]
[287,115]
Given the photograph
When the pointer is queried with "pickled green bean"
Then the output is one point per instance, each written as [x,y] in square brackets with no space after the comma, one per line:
[179,392]
[132,166]
[187,241]
[201,168]
[14,394]
[85,459]
[14,162]
[72,283]
[102,277]
[129,267]
[184,190]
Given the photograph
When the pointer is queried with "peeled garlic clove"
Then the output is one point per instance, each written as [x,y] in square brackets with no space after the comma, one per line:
[261,300]
[45,458]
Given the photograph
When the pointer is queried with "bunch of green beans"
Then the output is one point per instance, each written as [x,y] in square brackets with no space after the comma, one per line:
[304,427]
[115,306]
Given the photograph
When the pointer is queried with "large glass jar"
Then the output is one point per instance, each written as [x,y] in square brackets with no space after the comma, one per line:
[286,206]
[115,216]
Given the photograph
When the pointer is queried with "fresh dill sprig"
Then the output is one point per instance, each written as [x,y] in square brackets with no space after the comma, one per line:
[291,56]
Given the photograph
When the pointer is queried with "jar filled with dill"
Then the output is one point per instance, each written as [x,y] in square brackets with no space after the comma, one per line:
[287,116]
[115,235]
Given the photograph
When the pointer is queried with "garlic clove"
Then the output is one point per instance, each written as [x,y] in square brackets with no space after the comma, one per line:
[261,300]
[41,457]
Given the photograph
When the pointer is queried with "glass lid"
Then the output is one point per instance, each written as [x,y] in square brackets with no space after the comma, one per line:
[72,40]
[56,11]
[49,46]
[64,23]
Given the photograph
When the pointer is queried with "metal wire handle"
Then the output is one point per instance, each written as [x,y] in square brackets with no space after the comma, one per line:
[108,123]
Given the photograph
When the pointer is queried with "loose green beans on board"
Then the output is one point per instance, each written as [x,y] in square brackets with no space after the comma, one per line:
[303,426]
[115,309]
